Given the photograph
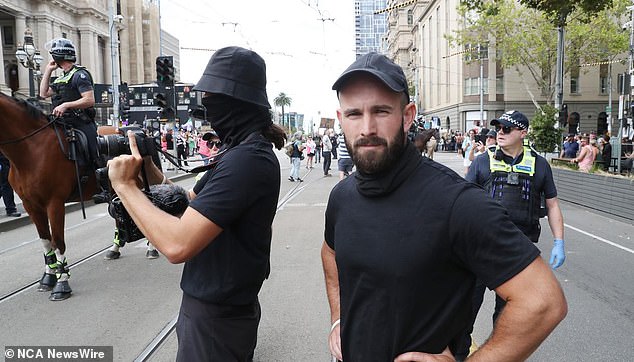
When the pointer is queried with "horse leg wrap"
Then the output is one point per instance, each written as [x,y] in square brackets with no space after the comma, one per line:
[50,260]
[62,289]
[49,278]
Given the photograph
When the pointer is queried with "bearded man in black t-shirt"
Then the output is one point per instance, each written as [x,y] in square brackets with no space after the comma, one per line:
[404,242]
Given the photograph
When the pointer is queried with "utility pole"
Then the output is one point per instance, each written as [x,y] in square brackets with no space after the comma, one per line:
[114,59]
[481,86]
[559,82]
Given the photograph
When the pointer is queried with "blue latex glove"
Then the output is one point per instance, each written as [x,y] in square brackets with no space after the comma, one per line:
[557,255]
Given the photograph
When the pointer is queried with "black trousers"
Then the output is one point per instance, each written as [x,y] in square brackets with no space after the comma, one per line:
[6,192]
[327,161]
[464,341]
[212,332]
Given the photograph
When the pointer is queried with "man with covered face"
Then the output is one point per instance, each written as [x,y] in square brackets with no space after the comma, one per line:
[224,236]
[405,241]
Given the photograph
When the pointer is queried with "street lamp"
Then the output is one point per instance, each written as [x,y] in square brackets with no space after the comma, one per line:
[29,56]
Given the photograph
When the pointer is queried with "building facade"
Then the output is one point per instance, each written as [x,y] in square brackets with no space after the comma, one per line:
[86,24]
[370,28]
[463,90]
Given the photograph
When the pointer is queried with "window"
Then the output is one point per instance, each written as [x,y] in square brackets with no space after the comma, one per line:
[472,86]
[574,78]
[7,36]
[574,85]
[604,81]
[410,17]
[499,85]
[603,85]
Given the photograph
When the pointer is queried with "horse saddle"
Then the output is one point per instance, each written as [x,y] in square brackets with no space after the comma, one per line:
[78,143]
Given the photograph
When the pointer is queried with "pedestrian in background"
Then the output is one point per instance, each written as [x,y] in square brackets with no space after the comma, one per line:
[586,157]
[400,290]
[317,140]
[310,152]
[326,152]
[224,236]
[344,162]
[6,191]
[296,157]
[606,152]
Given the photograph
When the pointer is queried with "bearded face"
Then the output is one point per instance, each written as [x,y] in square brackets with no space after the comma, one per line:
[374,154]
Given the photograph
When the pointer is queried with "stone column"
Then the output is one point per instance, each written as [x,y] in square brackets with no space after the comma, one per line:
[4,88]
[88,49]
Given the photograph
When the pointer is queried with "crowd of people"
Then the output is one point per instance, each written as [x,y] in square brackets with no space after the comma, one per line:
[588,149]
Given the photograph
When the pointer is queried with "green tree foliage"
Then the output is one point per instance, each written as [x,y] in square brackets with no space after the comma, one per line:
[526,40]
[282,100]
[543,134]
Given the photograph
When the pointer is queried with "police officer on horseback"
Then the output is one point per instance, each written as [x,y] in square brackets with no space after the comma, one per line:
[72,95]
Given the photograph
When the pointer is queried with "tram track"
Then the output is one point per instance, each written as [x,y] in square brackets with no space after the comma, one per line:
[20,290]
[165,333]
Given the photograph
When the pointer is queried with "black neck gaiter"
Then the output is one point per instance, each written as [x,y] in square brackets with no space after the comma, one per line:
[234,120]
[387,181]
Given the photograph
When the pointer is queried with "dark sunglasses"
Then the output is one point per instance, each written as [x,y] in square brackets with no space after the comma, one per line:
[505,129]
[214,143]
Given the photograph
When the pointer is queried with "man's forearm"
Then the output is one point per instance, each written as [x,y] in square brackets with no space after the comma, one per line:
[331,276]
[535,306]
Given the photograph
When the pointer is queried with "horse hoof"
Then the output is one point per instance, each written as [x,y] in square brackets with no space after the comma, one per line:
[47,282]
[152,254]
[111,255]
[61,291]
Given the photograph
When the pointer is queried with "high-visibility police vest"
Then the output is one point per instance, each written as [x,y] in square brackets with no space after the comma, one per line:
[513,187]
[65,92]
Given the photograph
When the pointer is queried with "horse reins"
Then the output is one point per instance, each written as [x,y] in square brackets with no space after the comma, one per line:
[28,135]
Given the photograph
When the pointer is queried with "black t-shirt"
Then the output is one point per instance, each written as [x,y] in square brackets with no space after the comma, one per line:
[480,171]
[239,195]
[407,261]
[82,81]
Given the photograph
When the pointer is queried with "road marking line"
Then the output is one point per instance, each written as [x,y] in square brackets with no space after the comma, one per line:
[600,239]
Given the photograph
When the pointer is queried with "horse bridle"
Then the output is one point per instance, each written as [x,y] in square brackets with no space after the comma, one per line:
[51,121]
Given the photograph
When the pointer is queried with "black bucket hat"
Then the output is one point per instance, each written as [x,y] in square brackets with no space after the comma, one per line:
[236,72]
[381,67]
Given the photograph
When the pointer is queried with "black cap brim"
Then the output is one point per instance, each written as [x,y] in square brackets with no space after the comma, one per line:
[378,74]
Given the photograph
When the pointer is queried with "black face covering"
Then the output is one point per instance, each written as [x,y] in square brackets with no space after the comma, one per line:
[235,120]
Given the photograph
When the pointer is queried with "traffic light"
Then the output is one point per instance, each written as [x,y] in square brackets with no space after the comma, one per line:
[563,115]
[125,111]
[164,109]
[165,70]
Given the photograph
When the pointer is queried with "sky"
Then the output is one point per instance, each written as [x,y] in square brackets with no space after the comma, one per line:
[304,54]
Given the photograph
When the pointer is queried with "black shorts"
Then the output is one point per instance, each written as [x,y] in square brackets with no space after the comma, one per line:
[213,332]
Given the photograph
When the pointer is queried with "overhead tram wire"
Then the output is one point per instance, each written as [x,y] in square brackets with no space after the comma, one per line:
[402,5]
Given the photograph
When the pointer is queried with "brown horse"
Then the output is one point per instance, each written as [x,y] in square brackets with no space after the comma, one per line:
[45,178]
[426,142]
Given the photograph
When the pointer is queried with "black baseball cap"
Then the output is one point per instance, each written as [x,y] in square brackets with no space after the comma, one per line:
[238,73]
[512,119]
[492,133]
[381,67]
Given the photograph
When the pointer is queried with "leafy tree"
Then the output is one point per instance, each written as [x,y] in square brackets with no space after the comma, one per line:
[282,100]
[543,133]
[526,40]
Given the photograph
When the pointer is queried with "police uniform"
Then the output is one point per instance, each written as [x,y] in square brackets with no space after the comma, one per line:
[68,88]
[520,184]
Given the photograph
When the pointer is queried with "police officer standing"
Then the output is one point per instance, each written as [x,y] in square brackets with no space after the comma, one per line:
[516,176]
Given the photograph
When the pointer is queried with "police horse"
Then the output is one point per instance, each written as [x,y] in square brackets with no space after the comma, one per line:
[425,141]
[45,176]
